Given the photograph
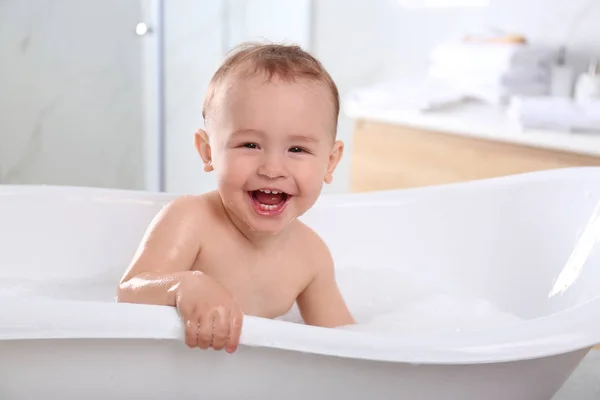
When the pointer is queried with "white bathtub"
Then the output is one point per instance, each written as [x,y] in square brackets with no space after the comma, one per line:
[526,244]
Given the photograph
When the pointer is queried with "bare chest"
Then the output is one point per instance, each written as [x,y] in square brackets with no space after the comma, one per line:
[264,286]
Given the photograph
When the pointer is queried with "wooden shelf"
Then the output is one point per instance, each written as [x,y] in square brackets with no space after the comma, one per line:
[392,156]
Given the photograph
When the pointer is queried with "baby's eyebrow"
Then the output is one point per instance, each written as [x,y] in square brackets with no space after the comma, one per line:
[246,130]
[304,138]
[294,137]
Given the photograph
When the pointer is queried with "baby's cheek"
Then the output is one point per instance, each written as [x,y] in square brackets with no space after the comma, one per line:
[228,175]
[233,165]
[313,181]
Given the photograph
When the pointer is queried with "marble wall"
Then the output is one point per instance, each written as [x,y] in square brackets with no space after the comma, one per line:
[71,108]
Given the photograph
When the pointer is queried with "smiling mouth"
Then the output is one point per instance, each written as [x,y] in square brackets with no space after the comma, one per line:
[269,201]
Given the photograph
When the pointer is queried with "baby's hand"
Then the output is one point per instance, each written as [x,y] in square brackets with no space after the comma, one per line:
[212,316]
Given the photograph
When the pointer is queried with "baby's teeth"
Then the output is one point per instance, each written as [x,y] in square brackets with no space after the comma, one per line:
[270,191]
[268,207]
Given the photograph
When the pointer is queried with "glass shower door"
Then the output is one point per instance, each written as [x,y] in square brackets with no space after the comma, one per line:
[76,84]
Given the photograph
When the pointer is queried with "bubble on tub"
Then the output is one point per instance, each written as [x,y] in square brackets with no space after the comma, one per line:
[438,314]
[79,290]
[410,302]
[369,292]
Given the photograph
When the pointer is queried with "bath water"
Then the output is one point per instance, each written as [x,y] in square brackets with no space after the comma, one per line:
[382,300]
[385,300]
[412,303]
[89,290]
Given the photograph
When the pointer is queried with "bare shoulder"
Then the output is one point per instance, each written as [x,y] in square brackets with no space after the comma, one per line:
[314,248]
[190,205]
[187,210]
[174,237]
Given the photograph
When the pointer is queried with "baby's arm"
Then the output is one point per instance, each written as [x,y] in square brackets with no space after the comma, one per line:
[161,273]
[165,256]
[321,302]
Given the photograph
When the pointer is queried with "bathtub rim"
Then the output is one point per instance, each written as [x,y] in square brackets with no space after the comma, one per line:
[38,318]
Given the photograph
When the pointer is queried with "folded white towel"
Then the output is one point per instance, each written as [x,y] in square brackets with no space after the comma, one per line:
[493,72]
[501,95]
[405,94]
[492,91]
[515,77]
[496,56]
[562,114]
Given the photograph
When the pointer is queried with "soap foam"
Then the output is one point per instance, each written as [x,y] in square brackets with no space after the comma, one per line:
[439,314]
[388,301]
[382,300]
[88,290]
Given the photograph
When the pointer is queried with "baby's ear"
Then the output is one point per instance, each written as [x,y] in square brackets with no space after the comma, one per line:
[203,149]
[334,159]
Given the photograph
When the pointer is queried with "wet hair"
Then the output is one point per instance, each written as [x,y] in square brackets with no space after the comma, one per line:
[289,63]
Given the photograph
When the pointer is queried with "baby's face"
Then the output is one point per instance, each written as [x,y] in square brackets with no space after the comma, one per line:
[272,146]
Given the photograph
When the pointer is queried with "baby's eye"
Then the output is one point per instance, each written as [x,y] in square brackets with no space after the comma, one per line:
[296,150]
[251,145]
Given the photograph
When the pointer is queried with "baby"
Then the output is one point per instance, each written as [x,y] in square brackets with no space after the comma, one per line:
[270,136]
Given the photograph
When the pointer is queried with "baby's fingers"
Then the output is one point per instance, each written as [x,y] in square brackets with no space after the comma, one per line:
[235,330]
[205,332]
[191,329]
[221,329]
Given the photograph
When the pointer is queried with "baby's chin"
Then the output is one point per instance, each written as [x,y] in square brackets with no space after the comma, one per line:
[263,226]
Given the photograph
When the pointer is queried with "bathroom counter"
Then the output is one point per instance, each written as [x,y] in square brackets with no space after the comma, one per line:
[403,148]
[480,121]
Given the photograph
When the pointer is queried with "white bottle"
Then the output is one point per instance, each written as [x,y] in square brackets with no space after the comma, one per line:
[561,81]
[588,84]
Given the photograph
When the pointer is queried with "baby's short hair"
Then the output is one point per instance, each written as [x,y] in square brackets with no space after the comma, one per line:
[286,62]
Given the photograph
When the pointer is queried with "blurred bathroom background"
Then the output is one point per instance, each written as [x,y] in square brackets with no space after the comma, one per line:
[108,93]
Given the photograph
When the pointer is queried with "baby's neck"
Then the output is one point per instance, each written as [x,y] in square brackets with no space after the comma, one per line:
[260,240]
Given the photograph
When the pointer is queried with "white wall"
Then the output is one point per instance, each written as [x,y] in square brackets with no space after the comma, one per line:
[194,45]
[273,20]
[364,41]
[71,107]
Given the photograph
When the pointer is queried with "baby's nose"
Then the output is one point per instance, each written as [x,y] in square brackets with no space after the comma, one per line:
[273,168]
